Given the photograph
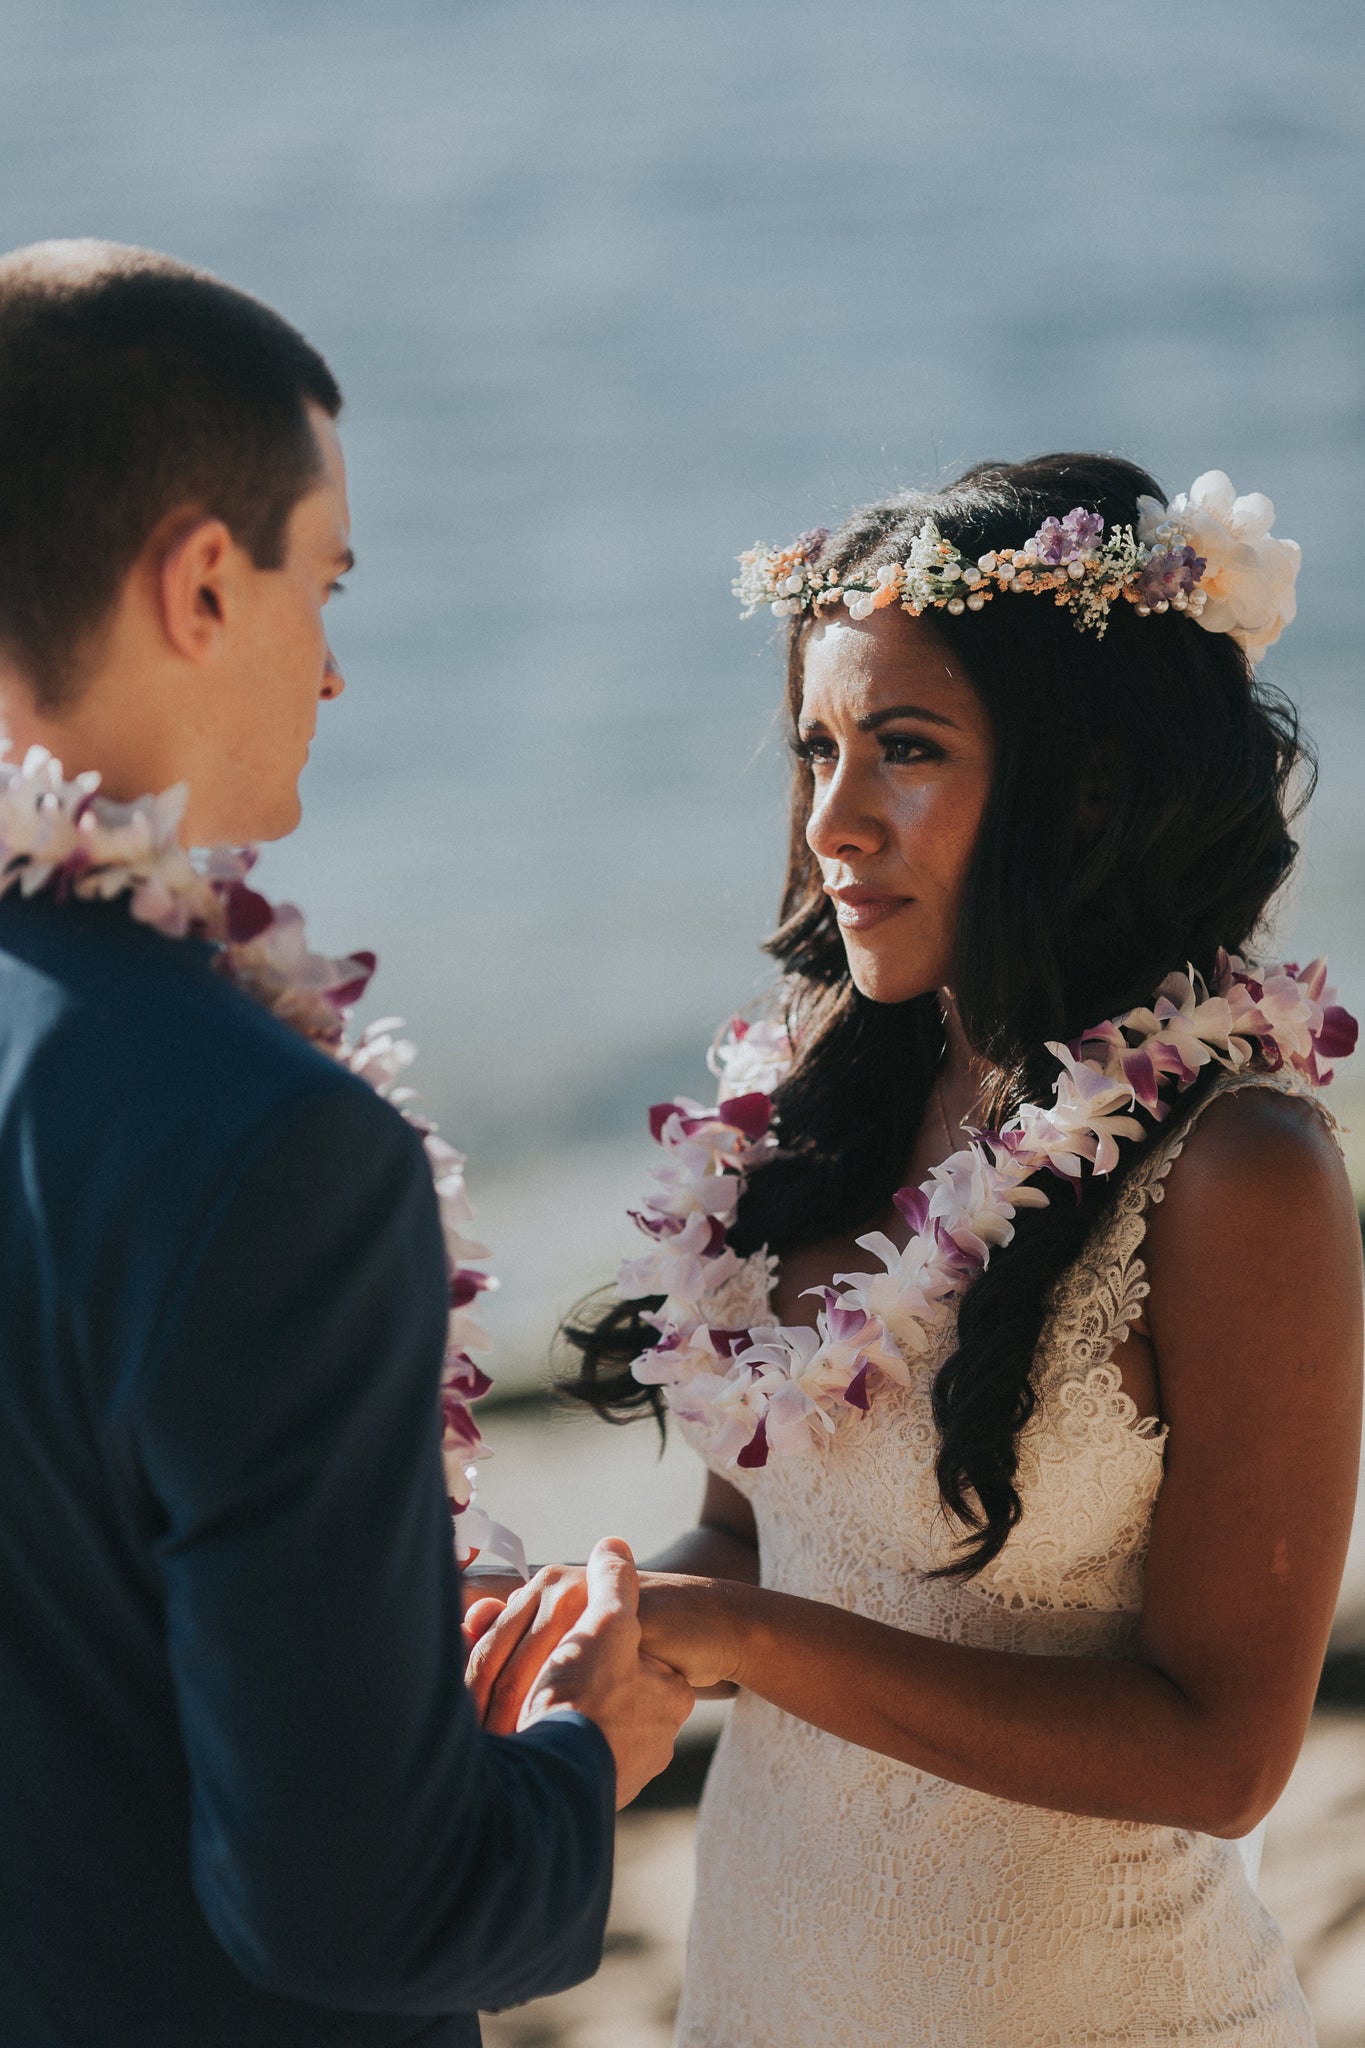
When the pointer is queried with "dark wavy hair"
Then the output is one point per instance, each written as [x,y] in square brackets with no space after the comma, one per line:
[1138,819]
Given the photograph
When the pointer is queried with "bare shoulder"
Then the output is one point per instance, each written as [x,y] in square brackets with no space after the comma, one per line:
[1253,1154]
[1258,1225]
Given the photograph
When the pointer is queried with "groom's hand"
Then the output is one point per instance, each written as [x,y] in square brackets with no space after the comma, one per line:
[600,1670]
[506,1657]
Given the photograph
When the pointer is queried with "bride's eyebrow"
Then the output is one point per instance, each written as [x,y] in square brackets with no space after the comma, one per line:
[877,718]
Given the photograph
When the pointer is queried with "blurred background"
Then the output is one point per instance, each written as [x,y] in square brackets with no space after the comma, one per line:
[613,290]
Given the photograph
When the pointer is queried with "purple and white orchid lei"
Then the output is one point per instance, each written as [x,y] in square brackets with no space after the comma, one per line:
[751,1388]
[64,838]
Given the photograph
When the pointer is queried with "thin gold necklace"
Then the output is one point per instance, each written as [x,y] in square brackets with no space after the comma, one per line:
[943,1114]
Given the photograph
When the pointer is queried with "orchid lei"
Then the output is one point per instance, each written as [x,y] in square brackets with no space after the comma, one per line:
[65,838]
[751,1388]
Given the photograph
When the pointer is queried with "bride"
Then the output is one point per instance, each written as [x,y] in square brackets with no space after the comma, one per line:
[1032,1455]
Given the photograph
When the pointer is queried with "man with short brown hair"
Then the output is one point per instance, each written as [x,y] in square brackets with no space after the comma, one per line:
[244,1799]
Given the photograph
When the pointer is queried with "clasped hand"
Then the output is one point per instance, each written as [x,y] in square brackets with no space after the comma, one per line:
[682,1625]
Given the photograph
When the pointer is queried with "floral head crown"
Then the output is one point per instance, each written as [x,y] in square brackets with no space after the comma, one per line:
[1208,554]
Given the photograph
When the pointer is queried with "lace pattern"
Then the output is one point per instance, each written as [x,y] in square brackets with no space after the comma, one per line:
[845,1900]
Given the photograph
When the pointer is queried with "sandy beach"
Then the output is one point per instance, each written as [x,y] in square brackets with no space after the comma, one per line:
[1313,1880]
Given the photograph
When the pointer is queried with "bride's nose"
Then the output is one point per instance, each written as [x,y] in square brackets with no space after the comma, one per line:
[843,821]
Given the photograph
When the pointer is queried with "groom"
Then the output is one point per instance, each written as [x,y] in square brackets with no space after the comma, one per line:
[244,1799]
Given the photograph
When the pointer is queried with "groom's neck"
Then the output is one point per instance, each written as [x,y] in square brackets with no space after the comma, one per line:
[127,717]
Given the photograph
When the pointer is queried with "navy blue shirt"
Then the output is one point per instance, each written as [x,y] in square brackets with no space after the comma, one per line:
[244,1800]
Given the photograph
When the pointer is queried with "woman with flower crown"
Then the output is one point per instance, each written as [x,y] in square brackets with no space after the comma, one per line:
[1011,1293]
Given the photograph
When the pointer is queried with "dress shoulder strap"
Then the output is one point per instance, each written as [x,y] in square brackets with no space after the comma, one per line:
[1101,1293]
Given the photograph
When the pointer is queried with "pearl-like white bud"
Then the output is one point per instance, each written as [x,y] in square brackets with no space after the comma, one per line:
[956,606]
[975,601]
[987,564]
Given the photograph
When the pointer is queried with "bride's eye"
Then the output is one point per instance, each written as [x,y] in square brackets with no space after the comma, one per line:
[814,747]
[905,749]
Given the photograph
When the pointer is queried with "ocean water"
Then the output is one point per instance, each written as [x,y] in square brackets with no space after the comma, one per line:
[614,289]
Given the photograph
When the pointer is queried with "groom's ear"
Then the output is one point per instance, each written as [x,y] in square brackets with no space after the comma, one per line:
[197,566]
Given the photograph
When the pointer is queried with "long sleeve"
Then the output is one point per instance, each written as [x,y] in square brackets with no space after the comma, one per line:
[357,1839]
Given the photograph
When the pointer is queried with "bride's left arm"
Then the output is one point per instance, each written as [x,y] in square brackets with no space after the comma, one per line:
[1255,1316]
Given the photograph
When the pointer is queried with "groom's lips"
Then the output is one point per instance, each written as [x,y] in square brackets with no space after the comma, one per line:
[859,909]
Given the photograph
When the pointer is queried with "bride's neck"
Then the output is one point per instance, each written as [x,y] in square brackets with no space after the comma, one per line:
[963,1075]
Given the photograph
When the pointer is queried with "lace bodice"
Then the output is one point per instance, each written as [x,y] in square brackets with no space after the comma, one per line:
[844,1898]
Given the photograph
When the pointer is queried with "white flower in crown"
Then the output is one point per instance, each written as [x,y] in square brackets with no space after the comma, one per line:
[1248,578]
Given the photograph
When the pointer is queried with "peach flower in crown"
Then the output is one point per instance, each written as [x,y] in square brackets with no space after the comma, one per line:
[1249,575]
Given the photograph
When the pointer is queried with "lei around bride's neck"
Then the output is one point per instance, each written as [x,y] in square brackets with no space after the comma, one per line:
[750,1387]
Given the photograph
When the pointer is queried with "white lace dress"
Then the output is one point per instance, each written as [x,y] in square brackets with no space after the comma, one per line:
[848,1901]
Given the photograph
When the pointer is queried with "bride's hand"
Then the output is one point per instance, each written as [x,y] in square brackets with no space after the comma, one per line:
[694,1625]
[509,1652]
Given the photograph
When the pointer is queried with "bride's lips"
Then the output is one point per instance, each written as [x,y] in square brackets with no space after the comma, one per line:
[858,910]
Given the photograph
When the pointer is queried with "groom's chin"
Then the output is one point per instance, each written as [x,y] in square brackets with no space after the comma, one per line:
[246,824]
[286,816]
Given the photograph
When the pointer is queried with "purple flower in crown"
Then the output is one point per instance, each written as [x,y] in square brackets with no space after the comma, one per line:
[809,544]
[1059,541]
[1169,571]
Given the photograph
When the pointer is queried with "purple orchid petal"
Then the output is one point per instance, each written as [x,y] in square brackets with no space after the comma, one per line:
[843,1322]
[247,914]
[659,1113]
[748,1114]
[352,990]
[913,1204]
[465,1283]
[755,1452]
[464,1379]
[856,1393]
[1139,1071]
[1338,1035]
[656,1227]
